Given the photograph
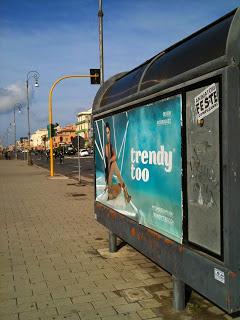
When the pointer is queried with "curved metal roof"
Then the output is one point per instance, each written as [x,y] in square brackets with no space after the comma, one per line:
[219,39]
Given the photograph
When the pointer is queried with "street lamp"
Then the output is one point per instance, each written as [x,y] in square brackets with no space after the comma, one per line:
[19,107]
[35,75]
[9,129]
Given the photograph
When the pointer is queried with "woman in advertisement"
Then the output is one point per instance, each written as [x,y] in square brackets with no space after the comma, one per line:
[112,168]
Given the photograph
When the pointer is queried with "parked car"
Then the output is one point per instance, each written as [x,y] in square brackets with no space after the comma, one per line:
[69,150]
[83,153]
[90,151]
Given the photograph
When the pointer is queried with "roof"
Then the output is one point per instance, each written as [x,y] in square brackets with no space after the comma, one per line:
[206,50]
[88,111]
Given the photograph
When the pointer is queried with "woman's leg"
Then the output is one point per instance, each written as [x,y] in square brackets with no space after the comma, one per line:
[114,169]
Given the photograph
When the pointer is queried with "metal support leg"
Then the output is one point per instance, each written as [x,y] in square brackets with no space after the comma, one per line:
[178,294]
[112,242]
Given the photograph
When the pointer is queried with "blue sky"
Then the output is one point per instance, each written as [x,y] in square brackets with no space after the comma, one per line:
[61,37]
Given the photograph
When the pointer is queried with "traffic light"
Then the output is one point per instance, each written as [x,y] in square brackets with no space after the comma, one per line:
[95,80]
[51,130]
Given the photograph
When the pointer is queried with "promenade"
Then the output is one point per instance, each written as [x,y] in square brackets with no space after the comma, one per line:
[55,264]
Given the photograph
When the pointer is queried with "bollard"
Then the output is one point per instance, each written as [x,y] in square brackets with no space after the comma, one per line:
[112,242]
[178,294]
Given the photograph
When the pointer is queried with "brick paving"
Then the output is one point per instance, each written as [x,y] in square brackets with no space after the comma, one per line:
[55,264]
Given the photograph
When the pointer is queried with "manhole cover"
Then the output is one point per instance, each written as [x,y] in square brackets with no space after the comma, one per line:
[136,294]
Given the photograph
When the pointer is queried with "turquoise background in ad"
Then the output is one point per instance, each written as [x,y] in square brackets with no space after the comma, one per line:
[156,203]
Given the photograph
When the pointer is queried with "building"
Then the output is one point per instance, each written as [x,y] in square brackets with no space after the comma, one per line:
[84,126]
[22,144]
[38,139]
[64,135]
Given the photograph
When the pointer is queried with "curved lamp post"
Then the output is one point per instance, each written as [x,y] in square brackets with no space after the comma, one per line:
[17,106]
[31,75]
[50,111]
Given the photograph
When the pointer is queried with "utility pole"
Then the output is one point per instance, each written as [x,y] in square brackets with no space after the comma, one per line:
[35,75]
[100,19]
[15,132]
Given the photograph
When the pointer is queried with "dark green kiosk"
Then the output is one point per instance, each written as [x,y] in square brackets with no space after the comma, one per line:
[167,160]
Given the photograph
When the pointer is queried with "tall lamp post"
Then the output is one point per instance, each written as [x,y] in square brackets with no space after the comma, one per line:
[35,75]
[100,31]
[19,107]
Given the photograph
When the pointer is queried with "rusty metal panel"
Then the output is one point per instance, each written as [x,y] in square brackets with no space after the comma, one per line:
[231,168]
[203,169]
[196,270]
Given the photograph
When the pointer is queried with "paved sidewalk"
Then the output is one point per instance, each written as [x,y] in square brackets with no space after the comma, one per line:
[54,260]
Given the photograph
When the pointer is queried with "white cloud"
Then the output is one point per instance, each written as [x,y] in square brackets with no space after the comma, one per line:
[12,95]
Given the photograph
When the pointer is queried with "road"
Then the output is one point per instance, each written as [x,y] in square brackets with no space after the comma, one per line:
[70,166]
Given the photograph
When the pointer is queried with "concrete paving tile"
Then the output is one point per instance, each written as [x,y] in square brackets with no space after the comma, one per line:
[150,303]
[67,275]
[70,316]
[8,302]
[62,302]
[58,292]
[34,298]
[106,311]
[74,292]
[4,310]
[50,276]
[60,266]
[24,292]
[99,290]
[75,308]
[89,315]
[10,317]
[131,316]
[120,285]
[86,284]
[109,302]
[35,277]
[146,314]
[49,311]
[27,306]
[151,281]
[128,308]
[45,304]
[88,298]
[39,288]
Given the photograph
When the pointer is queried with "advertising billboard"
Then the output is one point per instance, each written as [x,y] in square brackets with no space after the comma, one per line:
[139,165]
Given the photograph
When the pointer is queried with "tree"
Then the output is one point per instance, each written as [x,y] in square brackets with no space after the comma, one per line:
[44,140]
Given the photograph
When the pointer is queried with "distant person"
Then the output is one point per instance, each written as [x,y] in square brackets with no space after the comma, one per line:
[112,168]
[61,157]
[47,154]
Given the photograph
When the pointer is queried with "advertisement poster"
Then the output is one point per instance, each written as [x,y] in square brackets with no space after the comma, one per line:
[138,165]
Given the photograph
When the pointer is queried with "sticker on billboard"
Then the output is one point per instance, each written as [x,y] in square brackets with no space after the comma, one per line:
[138,165]
[207,101]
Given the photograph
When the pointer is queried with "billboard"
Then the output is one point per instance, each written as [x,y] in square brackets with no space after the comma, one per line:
[139,166]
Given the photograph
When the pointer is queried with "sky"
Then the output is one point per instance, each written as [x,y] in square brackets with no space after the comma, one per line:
[60,37]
